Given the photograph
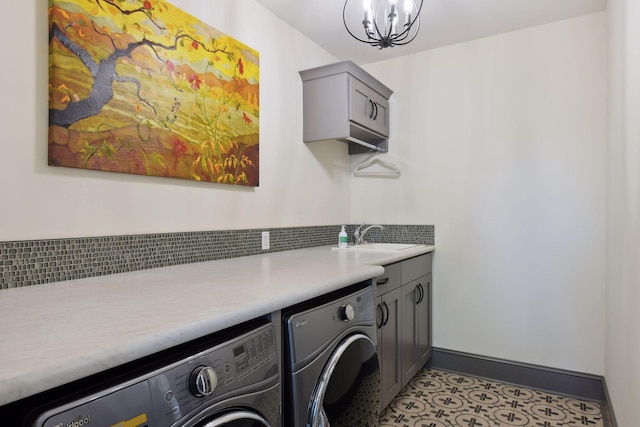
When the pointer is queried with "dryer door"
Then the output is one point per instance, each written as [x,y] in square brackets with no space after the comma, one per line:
[237,419]
[348,392]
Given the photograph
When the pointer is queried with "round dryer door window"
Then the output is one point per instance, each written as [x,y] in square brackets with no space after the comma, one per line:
[237,419]
[348,392]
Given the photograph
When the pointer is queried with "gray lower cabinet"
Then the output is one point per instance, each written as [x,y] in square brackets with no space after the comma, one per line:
[404,322]
[416,326]
[389,334]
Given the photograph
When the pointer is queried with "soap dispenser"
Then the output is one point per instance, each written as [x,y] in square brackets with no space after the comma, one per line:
[342,238]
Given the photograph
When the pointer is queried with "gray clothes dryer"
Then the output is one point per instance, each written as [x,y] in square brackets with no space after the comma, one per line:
[232,382]
[331,372]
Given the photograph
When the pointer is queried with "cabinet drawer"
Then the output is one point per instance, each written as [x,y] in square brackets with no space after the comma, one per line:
[390,280]
[416,267]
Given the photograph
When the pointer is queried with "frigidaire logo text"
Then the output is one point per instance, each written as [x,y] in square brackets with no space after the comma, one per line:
[78,422]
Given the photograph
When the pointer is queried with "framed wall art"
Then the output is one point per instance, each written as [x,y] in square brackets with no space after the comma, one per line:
[141,87]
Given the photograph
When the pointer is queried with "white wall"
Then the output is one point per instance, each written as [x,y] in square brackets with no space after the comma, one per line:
[622,353]
[299,184]
[501,144]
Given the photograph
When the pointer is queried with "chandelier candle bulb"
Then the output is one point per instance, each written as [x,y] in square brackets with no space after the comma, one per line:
[393,18]
[407,11]
[366,5]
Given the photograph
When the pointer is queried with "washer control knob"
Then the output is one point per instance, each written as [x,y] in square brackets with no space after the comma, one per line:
[346,312]
[203,381]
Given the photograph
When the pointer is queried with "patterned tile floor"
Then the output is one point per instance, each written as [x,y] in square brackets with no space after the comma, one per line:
[442,399]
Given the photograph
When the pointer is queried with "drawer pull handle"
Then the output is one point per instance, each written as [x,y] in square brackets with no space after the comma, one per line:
[382,281]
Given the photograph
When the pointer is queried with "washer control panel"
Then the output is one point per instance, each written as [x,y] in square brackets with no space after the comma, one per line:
[209,376]
[305,329]
[169,394]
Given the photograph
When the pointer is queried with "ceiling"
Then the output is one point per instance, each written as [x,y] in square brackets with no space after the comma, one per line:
[443,22]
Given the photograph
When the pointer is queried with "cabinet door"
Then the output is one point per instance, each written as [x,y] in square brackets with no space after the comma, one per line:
[389,344]
[367,107]
[409,340]
[424,321]
[416,326]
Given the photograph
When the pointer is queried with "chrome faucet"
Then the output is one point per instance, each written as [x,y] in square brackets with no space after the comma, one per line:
[360,235]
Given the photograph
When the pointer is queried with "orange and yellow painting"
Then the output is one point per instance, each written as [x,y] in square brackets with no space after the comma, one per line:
[141,87]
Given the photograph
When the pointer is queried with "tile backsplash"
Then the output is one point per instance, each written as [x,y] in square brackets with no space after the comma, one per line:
[33,262]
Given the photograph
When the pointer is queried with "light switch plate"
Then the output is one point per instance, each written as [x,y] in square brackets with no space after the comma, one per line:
[265,240]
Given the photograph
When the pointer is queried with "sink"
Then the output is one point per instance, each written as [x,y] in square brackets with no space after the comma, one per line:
[380,247]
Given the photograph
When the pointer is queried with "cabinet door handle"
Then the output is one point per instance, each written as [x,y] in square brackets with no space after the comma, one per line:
[420,293]
[375,105]
[382,281]
[373,108]
[416,294]
[385,313]
[379,323]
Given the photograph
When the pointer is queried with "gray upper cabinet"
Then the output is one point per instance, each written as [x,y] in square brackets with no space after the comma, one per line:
[343,102]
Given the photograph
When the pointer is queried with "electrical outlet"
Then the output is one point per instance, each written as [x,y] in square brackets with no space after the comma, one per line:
[265,240]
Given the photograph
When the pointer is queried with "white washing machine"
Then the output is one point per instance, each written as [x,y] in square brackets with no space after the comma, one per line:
[233,382]
[331,373]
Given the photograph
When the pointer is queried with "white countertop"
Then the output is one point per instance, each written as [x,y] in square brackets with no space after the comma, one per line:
[56,333]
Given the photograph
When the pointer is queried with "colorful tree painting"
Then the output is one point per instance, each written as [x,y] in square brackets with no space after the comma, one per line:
[141,87]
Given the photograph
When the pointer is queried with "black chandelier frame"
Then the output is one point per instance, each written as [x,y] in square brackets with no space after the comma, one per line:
[385,39]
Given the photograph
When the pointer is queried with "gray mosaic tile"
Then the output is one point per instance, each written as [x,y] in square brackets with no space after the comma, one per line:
[33,262]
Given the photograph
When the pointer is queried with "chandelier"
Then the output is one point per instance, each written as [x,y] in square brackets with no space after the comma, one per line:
[385,24]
